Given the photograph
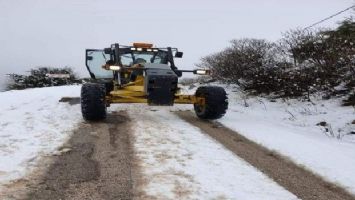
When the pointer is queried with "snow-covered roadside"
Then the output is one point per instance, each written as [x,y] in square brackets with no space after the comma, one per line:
[32,124]
[290,129]
[179,162]
[177,159]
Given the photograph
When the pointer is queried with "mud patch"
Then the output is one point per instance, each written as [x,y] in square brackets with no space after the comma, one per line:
[70,100]
[181,191]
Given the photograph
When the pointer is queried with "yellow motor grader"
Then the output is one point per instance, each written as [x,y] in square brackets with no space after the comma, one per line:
[142,73]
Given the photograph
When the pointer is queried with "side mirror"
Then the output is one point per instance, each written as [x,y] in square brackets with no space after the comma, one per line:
[107,50]
[89,58]
[179,54]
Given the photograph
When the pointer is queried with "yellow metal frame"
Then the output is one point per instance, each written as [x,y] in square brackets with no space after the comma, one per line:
[133,92]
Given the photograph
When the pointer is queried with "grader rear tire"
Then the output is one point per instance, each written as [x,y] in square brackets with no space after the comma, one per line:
[93,103]
[216,102]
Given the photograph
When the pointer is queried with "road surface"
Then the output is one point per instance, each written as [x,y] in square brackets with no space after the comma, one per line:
[143,153]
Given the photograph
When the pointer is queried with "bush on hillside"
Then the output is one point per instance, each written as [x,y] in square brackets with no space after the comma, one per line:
[301,63]
[42,77]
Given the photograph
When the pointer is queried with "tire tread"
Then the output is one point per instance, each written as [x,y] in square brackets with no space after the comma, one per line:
[93,103]
[216,102]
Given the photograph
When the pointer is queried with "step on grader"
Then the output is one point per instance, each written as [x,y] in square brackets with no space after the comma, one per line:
[142,73]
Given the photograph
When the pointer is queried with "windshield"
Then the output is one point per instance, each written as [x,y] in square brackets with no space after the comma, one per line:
[96,58]
[143,56]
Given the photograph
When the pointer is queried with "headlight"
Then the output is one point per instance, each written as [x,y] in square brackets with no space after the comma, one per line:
[115,68]
[202,72]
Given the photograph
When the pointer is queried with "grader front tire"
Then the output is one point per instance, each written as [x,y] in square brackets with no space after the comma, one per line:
[216,102]
[93,103]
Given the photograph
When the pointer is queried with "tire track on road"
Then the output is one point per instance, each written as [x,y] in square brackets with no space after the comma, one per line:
[97,167]
[296,179]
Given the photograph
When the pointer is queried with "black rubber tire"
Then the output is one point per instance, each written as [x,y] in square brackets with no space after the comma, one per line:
[216,102]
[93,103]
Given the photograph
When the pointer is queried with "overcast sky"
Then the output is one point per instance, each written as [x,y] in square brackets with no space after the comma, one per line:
[57,32]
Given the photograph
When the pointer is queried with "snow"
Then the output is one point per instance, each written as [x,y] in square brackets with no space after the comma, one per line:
[33,123]
[179,162]
[289,127]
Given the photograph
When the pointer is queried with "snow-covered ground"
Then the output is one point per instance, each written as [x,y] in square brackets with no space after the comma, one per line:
[176,158]
[179,162]
[32,124]
[290,128]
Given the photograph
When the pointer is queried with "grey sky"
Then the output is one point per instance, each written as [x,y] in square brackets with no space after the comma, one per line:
[56,33]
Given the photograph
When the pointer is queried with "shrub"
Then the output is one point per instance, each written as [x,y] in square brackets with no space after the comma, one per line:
[301,63]
[42,77]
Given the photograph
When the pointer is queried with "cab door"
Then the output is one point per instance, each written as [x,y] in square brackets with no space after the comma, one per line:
[95,58]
